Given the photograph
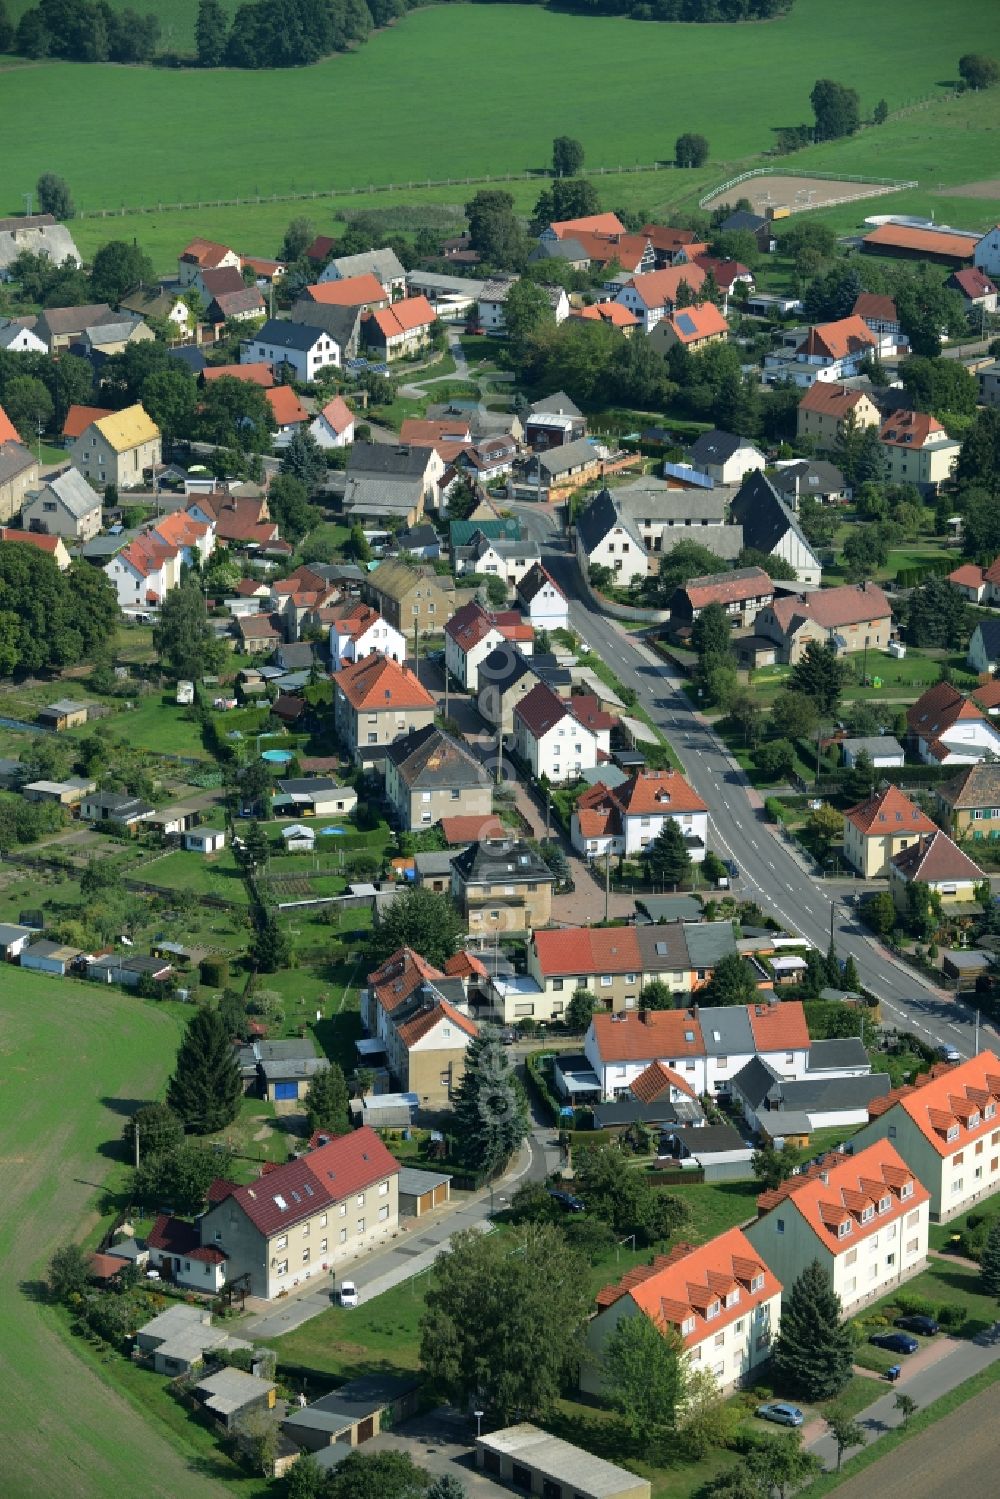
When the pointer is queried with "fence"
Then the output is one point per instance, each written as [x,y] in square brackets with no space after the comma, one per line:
[878,185]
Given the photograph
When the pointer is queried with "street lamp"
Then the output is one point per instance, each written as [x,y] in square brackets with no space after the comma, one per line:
[479,1423]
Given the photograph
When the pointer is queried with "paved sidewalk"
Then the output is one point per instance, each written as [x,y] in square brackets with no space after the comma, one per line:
[925,1380]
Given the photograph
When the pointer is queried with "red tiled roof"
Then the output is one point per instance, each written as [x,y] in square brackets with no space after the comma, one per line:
[833,608]
[827,398]
[848,335]
[223,282]
[180,529]
[973,1082]
[663,791]
[726,272]
[841,1189]
[939,709]
[779,1027]
[607,312]
[934,859]
[640,1036]
[973,283]
[587,711]
[352,291]
[691,324]
[396,979]
[910,429]
[105,1266]
[470,625]
[173,1235]
[300,1188]
[424,1021]
[594,223]
[728,588]
[219,1189]
[338,414]
[681,1287]
[923,241]
[987,695]
[356,621]
[880,309]
[967,576]
[463,965]
[656,288]
[321,247]
[470,829]
[665,239]
[587,950]
[205,253]
[255,374]
[888,813]
[657,1080]
[541,709]
[78,419]
[431,434]
[37,539]
[9,433]
[208,1254]
[405,316]
[287,408]
[261,265]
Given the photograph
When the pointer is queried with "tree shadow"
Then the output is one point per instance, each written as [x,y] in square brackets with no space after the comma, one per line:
[124,1106]
[36,1291]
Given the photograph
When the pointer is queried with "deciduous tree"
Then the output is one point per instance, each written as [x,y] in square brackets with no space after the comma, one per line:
[69,1272]
[845,1432]
[567,156]
[423,919]
[976,70]
[182,637]
[837,109]
[175,1179]
[54,196]
[580,1010]
[690,150]
[157,1128]
[644,1368]
[120,268]
[732,983]
[620,1196]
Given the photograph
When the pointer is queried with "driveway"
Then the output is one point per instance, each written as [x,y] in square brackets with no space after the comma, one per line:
[442,1441]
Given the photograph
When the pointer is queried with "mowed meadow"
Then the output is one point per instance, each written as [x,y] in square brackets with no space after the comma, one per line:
[458,90]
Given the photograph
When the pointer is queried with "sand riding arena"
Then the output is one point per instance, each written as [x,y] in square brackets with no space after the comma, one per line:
[776,195]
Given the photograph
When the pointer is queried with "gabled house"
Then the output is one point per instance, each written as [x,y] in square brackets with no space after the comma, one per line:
[918,449]
[333,426]
[814,477]
[944,1125]
[553,421]
[53,546]
[949,728]
[118,449]
[144,572]
[342,325]
[607,961]
[827,408]
[303,348]
[830,351]
[420,1016]
[111,337]
[383,264]
[241,304]
[970,580]
[938,863]
[159,302]
[38,234]
[879,828]
[502,885]
[360,631]
[406,326]
[506,676]
[192,538]
[364,291]
[672,246]
[770,527]
[430,775]
[611,313]
[542,600]
[853,617]
[653,296]
[377,701]
[551,739]
[409,598]
[978,292]
[693,328]
[58,327]
[971,801]
[112,809]
[725,457]
[742,593]
[314,796]
[470,635]
[387,481]
[720,1299]
[879,313]
[864,1217]
[17,336]
[290,416]
[625,819]
[762,229]
[78,419]
[607,536]
[19,470]
[792,1111]
[65,505]
[507,560]
[984,647]
[204,255]
[495,293]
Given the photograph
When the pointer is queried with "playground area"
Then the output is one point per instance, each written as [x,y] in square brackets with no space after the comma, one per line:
[775,191]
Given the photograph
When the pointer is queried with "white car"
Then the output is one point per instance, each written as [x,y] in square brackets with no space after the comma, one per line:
[348,1293]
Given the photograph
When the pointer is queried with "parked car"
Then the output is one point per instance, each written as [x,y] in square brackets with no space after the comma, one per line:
[348,1293]
[895,1342]
[567,1201]
[949,1053]
[915,1322]
[779,1412]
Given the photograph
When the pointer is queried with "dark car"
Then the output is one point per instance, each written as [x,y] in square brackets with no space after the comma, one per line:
[925,1326]
[567,1201]
[895,1342]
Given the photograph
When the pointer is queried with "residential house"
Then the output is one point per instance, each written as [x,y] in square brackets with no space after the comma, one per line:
[507,560]
[542,600]
[64,506]
[17,336]
[384,265]
[732,277]
[364,291]
[945,246]
[112,809]
[58,327]
[242,304]
[762,229]
[290,416]
[831,1098]
[193,539]
[377,701]
[854,617]
[342,325]
[495,293]
[473,632]
[449,435]
[882,750]
[725,457]
[742,593]
[430,775]
[490,458]
[620,1047]
[877,829]
[970,580]
[421,542]
[279,1071]
[918,449]
[816,478]
[300,347]
[864,1217]
[144,572]
[607,536]
[672,246]
[944,1125]
[625,819]
[606,960]
[611,313]
[693,328]
[333,426]
[506,676]
[19,472]
[258,634]
[502,885]
[827,408]
[391,482]
[53,546]
[203,255]
[829,352]
[938,863]
[978,292]
[971,802]
[313,796]
[118,449]
[553,422]
[594,223]
[583,249]
[112,337]
[419,1015]
[984,647]
[129,970]
[361,631]
[409,598]
[770,527]
[178,1338]
[654,296]
[452,297]
[552,740]
[38,234]
[305,1216]
[78,419]
[161,303]
[721,1300]
[668,511]
[879,313]
[949,728]
[404,328]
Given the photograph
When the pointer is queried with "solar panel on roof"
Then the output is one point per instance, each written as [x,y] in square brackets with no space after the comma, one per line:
[282,1204]
[686,322]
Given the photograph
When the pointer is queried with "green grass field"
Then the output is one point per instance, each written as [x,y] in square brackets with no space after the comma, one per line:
[494,120]
[176,17]
[75,1059]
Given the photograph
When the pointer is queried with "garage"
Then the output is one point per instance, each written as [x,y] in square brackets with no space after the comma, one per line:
[421,1191]
[285,1091]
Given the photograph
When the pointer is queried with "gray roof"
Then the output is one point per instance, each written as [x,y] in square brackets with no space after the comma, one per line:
[658,908]
[709,942]
[570,455]
[73,491]
[506,861]
[504,667]
[727,1030]
[308,785]
[65,705]
[297,654]
[558,404]
[62,321]
[340,323]
[600,518]
[577,1471]
[814,476]
[711,1139]
[988,631]
[760,1085]
[397,460]
[763,514]
[621,1112]
[114,333]
[9,934]
[875,744]
[52,240]
[358,1399]
[743,219]
[229,1390]
[558,249]
[511,551]
[14,459]
[656,501]
[663,948]
[436,282]
[434,862]
[366,494]
[716,447]
[293,1068]
[118,805]
[430,759]
[414,1182]
[383,264]
[283,334]
[844,1051]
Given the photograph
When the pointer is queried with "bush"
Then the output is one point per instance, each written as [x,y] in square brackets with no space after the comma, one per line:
[591,1237]
[951,1316]
[214,972]
[772,809]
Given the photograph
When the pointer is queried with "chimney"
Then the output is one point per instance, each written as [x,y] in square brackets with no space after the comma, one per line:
[644,1017]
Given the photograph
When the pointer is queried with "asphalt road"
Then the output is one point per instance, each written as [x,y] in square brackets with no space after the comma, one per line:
[770,872]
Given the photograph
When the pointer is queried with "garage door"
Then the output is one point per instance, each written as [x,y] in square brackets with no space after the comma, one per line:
[286,1090]
[366,1429]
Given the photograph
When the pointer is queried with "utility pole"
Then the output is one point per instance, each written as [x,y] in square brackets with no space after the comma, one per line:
[29,199]
[416,649]
[500,754]
[607,884]
[977,1034]
[819,736]
[135,1139]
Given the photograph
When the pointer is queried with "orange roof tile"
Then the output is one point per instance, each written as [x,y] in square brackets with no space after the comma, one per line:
[910,429]
[967,576]
[255,374]
[607,312]
[837,340]
[939,709]
[880,309]
[8,432]
[587,950]
[827,398]
[663,791]
[352,291]
[470,829]
[641,1036]
[594,223]
[205,253]
[779,1027]
[935,859]
[692,324]
[657,1080]
[656,288]
[922,241]
[831,1193]
[380,684]
[287,408]
[37,539]
[420,1025]
[338,414]
[406,316]
[394,981]
[889,813]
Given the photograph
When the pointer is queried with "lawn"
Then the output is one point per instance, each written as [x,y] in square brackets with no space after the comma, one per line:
[715,1206]
[64,1429]
[501,120]
[157,724]
[382,1335]
[205,875]
[955,1285]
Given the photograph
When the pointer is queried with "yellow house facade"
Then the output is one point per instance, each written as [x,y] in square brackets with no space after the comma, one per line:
[117,449]
[881,827]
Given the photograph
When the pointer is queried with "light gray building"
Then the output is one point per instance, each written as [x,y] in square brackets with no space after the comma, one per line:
[429,775]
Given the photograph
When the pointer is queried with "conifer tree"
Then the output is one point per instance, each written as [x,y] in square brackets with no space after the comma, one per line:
[491,1112]
[989,1263]
[814,1355]
[206,1088]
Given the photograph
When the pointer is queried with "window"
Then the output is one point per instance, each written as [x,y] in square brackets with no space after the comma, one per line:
[757,1284]
[687,1326]
[280,1243]
[979,1147]
[360,1199]
[694,1354]
[843,1229]
[606,980]
[852,1284]
[305,1230]
[281,1268]
[343,1236]
[739,1326]
[322,1245]
[361,1225]
[780,1225]
[956,1185]
[959,1158]
[718,1371]
[383,1214]
[720,1339]
[906,1190]
[892,1132]
[911,1246]
[342,1210]
[305,1256]
[383,1189]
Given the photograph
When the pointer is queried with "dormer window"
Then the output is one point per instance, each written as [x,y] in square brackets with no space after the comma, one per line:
[844,1228]
[867,1214]
[951,1133]
[885,1203]
[687,1326]
[906,1190]
[757,1284]
[733,1297]
[973,1120]
[989,1111]
[712,1310]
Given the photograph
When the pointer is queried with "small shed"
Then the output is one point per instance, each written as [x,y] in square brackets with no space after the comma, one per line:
[297,838]
[354,1413]
[535,1462]
[964,965]
[64,714]
[49,957]
[13,941]
[173,820]
[389,1110]
[420,1191]
[66,793]
[230,1393]
[204,840]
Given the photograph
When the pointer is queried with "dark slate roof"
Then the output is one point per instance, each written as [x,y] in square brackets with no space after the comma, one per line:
[430,759]
[558,249]
[816,477]
[600,517]
[570,455]
[419,536]
[190,355]
[625,1111]
[287,335]
[708,942]
[664,908]
[763,514]
[989,634]
[502,861]
[340,323]
[846,1051]
[390,460]
[558,402]
[741,219]
[710,1139]
[505,666]
[14,459]
[761,1086]
[715,447]
[726,1030]
[755,1081]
